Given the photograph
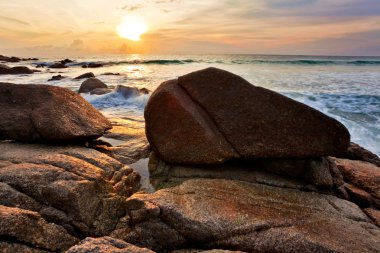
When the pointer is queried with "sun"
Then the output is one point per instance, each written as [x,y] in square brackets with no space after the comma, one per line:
[132,27]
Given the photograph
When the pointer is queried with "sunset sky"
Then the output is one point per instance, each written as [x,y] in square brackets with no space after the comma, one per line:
[83,27]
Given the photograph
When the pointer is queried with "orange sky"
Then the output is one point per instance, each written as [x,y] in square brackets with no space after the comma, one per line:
[85,27]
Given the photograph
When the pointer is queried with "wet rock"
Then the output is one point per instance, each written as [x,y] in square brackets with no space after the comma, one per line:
[127,91]
[364,175]
[100,91]
[224,117]
[91,84]
[26,227]
[77,188]
[9,59]
[356,152]
[47,113]
[92,65]
[85,75]
[110,74]
[106,245]
[57,65]
[56,78]
[235,215]
[5,70]
[144,91]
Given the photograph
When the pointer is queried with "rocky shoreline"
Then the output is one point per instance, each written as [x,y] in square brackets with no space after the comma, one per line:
[259,174]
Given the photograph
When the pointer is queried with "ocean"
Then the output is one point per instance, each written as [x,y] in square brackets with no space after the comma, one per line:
[345,88]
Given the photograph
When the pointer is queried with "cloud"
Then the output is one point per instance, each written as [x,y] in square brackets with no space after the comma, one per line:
[132,7]
[13,20]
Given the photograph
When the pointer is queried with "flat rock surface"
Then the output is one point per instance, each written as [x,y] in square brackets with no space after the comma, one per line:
[235,215]
[47,113]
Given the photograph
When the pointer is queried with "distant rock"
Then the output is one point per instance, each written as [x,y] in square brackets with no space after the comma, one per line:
[144,91]
[9,59]
[91,84]
[47,113]
[100,91]
[224,117]
[5,70]
[85,75]
[127,91]
[92,65]
[56,78]
[65,61]
[57,65]
[235,215]
[106,245]
[110,74]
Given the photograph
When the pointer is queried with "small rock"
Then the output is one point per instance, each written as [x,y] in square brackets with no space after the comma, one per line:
[110,74]
[57,65]
[127,91]
[56,78]
[86,75]
[100,91]
[92,65]
[91,84]
[5,70]
[65,61]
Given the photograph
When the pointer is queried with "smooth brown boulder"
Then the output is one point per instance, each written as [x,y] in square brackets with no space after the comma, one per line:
[5,70]
[90,84]
[211,115]
[235,215]
[47,113]
[85,75]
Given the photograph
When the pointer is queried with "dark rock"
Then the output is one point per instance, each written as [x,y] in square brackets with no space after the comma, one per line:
[9,59]
[234,215]
[47,113]
[5,70]
[110,74]
[92,65]
[58,65]
[91,84]
[224,117]
[364,175]
[358,196]
[144,91]
[106,245]
[100,91]
[356,152]
[56,78]
[127,91]
[29,227]
[65,61]
[86,75]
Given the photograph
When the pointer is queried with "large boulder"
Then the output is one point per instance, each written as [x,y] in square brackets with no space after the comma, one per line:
[235,215]
[47,113]
[5,70]
[211,116]
[90,84]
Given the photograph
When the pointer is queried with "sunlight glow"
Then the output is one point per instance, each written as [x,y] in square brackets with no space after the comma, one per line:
[132,27]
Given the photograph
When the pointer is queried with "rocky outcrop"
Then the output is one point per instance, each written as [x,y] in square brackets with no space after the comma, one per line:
[235,215]
[9,59]
[106,245]
[5,70]
[128,91]
[91,84]
[47,113]
[52,196]
[92,65]
[85,75]
[223,117]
